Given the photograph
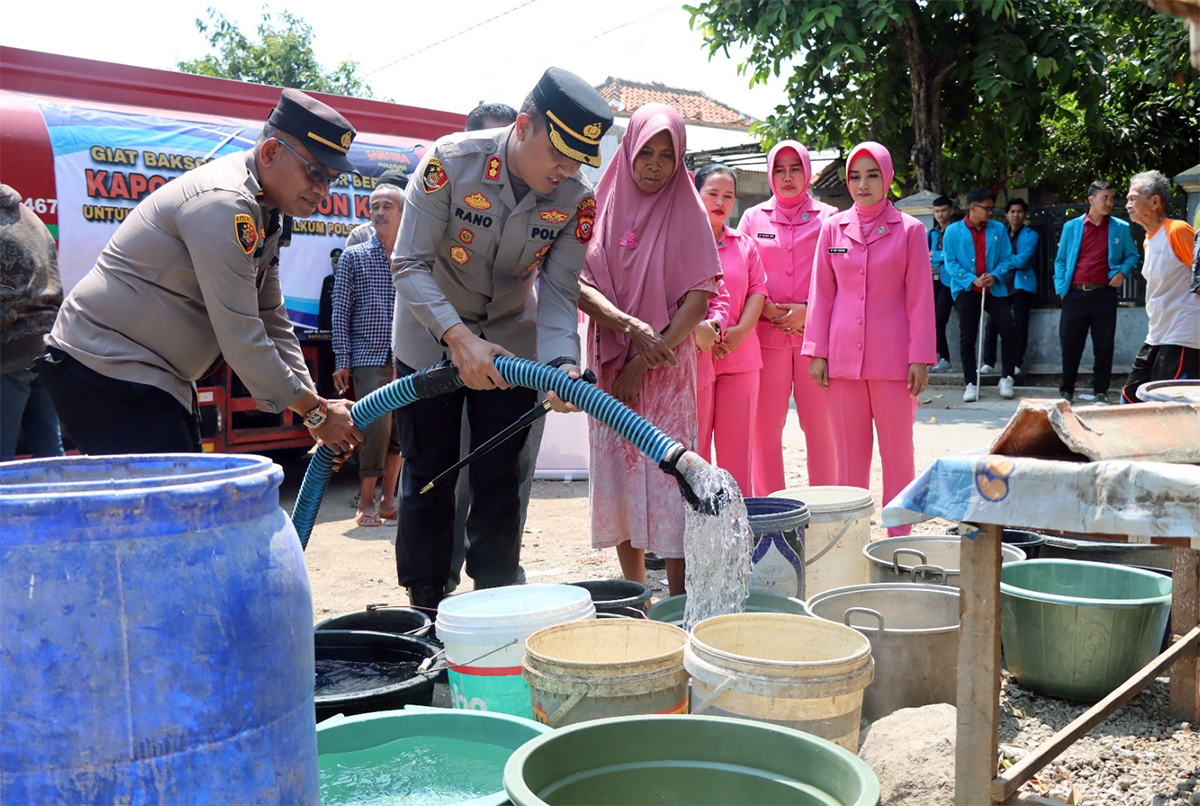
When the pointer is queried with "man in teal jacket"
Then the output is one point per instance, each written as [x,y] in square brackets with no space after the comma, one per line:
[1095,255]
[978,256]
[1021,284]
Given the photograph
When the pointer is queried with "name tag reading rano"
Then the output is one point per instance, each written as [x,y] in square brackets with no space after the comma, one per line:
[838,250]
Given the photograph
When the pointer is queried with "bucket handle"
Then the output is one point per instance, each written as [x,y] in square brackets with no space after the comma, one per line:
[825,549]
[717,692]
[561,712]
[428,667]
[866,611]
[925,571]
[896,562]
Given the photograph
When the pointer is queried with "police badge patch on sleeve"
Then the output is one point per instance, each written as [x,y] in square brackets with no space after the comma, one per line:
[245,232]
[434,178]
[585,217]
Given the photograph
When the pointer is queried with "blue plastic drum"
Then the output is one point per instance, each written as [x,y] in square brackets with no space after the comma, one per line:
[156,639]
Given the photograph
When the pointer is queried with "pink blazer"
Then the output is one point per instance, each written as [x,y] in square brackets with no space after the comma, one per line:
[718,308]
[786,248]
[744,276]
[870,306]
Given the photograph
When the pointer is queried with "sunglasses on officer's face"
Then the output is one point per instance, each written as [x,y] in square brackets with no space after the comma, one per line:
[315,175]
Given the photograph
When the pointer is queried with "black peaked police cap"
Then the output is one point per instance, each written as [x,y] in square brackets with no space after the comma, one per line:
[323,131]
[577,114]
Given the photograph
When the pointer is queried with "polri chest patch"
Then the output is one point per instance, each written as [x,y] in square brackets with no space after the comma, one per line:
[477,201]
[245,232]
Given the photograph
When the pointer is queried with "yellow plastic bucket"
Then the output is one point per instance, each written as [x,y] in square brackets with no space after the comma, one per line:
[795,671]
[613,667]
[839,527]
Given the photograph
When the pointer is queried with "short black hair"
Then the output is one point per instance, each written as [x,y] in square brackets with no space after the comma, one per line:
[1017,202]
[482,114]
[714,168]
[978,195]
[530,109]
[1099,185]
[943,201]
[336,251]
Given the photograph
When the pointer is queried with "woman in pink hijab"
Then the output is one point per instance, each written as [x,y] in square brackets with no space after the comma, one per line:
[646,282]
[785,228]
[870,325]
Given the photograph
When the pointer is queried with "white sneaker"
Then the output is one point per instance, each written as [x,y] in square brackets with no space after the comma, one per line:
[971,393]
[986,369]
[941,366]
[1016,371]
[1006,387]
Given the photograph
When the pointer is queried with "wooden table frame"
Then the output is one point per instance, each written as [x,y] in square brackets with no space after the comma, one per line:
[978,730]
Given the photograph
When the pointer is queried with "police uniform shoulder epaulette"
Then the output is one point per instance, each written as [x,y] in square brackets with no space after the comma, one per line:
[463,144]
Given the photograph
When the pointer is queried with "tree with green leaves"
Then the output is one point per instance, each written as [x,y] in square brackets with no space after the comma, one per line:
[282,56]
[971,90]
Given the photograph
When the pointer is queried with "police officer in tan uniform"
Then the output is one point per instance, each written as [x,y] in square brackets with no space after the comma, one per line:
[190,277]
[487,214]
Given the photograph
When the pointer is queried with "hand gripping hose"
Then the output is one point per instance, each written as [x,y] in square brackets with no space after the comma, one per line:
[441,378]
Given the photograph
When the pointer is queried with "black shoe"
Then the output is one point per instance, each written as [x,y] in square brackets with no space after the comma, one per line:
[426,595]
[654,562]
[1067,396]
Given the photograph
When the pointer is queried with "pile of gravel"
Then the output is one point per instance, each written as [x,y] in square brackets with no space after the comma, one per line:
[1139,756]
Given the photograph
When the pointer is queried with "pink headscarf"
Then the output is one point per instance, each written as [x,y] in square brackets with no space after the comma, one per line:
[648,249]
[801,202]
[867,214]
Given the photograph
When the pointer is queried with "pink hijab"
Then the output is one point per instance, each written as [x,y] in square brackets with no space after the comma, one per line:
[649,249]
[868,214]
[803,201]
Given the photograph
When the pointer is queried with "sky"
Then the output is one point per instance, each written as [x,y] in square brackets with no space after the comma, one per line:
[487,50]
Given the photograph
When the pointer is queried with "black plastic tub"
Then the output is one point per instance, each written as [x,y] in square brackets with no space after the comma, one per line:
[1077,547]
[1028,542]
[396,620]
[610,594]
[384,650]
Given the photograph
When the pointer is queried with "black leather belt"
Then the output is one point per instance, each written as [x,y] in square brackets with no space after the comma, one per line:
[1089,286]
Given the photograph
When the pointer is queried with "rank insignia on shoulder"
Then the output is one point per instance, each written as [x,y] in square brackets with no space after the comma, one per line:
[245,232]
[459,255]
[434,178]
[477,201]
[586,214]
[493,167]
[770,235]
[552,216]
[465,235]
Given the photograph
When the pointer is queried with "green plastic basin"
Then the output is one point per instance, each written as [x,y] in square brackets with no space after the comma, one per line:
[686,761]
[355,740]
[1077,630]
[670,610]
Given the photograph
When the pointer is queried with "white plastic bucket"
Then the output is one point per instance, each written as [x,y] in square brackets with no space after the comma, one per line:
[839,527]
[799,672]
[484,634]
[595,669]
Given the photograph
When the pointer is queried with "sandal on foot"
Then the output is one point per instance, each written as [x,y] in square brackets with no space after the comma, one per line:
[355,501]
[368,519]
[391,514]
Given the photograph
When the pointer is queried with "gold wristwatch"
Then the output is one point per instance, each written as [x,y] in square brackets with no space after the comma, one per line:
[317,417]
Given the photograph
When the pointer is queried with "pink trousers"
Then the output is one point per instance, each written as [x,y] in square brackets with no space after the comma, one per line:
[783,371]
[726,411]
[853,406]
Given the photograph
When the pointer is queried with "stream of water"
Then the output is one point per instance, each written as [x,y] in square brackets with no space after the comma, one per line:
[717,549]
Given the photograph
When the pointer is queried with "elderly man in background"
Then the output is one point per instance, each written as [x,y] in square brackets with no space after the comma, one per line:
[1095,255]
[397,177]
[1172,346]
[364,300]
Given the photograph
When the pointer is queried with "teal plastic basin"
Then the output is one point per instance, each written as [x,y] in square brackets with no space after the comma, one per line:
[1077,630]
[670,610]
[468,737]
[679,760]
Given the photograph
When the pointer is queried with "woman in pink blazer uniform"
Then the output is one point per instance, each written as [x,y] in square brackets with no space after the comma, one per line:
[870,325]
[785,229]
[726,407]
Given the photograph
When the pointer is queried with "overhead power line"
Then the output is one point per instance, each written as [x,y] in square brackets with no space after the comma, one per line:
[452,36]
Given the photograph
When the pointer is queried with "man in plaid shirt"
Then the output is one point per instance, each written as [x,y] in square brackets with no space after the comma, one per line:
[364,299]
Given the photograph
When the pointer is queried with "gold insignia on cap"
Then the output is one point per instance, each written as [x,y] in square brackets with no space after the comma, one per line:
[347,139]
[592,130]
[561,146]
[330,143]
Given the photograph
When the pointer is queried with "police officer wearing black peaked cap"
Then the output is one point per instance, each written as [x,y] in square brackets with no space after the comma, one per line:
[190,277]
[487,215]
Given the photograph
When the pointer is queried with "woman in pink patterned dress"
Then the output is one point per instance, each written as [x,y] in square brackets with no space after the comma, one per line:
[646,283]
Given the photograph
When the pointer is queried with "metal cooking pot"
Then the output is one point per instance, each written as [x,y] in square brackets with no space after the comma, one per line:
[924,559]
[913,630]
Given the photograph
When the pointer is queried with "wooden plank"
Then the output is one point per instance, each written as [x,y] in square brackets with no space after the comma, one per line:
[1185,614]
[978,728]
[1007,784]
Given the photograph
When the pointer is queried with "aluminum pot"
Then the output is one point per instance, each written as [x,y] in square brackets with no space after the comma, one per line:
[924,559]
[913,630]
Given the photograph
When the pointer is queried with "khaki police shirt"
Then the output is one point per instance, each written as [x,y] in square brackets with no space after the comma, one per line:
[191,275]
[468,253]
